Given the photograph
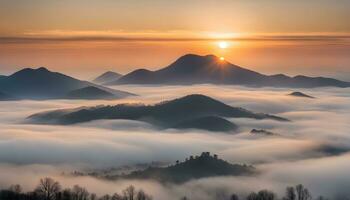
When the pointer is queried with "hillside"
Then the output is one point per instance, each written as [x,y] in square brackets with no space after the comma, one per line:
[202,166]
[41,83]
[209,123]
[90,92]
[167,114]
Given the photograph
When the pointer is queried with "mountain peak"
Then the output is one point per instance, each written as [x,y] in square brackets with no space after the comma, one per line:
[190,57]
[43,69]
[27,71]
[107,77]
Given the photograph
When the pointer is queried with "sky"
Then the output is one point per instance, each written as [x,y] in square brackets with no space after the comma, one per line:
[86,37]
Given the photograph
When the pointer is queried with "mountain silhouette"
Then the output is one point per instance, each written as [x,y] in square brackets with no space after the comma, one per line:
[261,132]
[41,83]
[209,123]
[6,97]
[90,92]
[107,77]
[183,111]
[195,167]
[300,94]
[195,69]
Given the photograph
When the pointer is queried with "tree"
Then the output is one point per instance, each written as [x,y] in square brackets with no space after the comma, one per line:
[290,194]
[234,197]
[129,193]
[116,196]
[15,188]
[302,192]
[141,195]
[48,188]
[252,196]
[261,195]
[105,197]
[67,194]
[79,193]
[93,196]
[266,195]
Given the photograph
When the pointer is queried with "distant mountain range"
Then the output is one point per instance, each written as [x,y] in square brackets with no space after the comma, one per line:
[41,83]
[107,77]
[195,167]
[192,111]
[195,69]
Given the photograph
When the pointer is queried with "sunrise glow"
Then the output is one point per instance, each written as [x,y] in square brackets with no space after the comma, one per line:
[223,44]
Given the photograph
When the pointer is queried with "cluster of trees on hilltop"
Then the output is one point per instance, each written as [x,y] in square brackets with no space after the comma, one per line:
[49,189]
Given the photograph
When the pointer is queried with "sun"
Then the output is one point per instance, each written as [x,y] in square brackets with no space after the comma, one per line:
[223,44]
[222,58]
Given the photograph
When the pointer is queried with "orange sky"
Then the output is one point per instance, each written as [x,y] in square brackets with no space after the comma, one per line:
[87,37]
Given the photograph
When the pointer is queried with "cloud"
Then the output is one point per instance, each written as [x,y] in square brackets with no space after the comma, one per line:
[311,149]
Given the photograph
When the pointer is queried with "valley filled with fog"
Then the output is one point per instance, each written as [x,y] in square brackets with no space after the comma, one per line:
[312,149]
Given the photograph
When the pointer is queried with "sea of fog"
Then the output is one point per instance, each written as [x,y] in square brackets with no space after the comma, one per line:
[312,149]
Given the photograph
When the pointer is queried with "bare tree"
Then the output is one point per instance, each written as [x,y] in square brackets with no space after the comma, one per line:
[79,193]
[290,194]
[105,197]
[261,195]
[48,188]
[141,195]
[266,195]
[15,188]
[234,197]
[252,196]
[129,193]
[93,196]
[117,196]
[302,192]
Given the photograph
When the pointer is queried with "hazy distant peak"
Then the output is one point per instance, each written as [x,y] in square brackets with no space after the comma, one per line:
[107,77]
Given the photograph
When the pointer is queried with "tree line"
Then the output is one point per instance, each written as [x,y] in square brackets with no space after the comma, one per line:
[49,189]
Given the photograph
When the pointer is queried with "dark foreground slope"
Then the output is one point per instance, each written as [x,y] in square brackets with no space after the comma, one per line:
[195,69]
[43,84]
[183,113]
[193,168]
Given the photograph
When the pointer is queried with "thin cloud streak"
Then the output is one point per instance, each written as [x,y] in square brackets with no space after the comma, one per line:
[38,38]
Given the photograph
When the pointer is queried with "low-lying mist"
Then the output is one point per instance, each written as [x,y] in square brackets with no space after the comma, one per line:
[312,149]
